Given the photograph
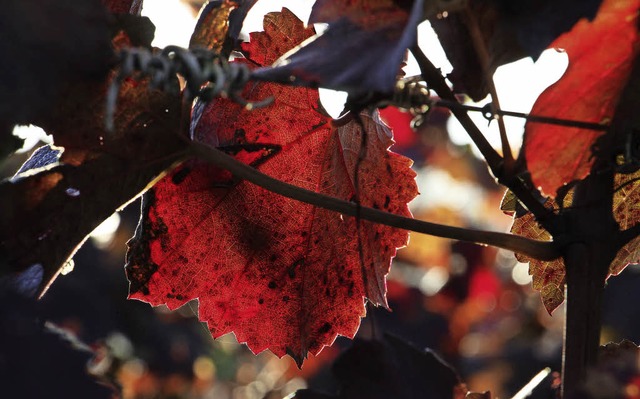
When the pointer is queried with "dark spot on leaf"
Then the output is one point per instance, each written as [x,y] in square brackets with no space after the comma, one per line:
[253,237]
[170,296]
[260,301]
[326,327]
[179,297]
[240,136]
[327,292]
[387,200]
[272,285]
[285,298]
[273,258]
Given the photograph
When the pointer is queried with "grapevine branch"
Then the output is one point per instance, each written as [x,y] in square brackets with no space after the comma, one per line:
[543,250]
[435,80]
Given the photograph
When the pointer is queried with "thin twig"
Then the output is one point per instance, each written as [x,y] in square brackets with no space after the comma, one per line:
[483,55]
[543,250]
[530,118]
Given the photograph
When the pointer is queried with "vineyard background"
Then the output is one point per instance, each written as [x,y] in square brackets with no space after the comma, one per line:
[473,305]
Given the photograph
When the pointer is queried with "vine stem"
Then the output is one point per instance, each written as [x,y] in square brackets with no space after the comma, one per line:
[483,55]
[543,250]
[525,195]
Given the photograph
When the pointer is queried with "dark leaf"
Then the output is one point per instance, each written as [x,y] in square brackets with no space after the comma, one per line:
[615,374]
[391,368]
[45,45]
[124,6]
[48,212]
[38,360]
[359,53]
[510,30]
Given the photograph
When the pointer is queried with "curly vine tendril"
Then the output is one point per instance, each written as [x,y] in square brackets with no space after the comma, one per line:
[207,75]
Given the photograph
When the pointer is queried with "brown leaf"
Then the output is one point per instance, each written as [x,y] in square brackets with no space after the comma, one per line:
[212,26]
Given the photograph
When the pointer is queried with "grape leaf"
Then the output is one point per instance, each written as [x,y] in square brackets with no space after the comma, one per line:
[97,173]
[392,368]
[360,52]
[600,59]
[211,29]
[219,25]
[510,30]
[549,276]
[278,273]
[626,211]
[45,45]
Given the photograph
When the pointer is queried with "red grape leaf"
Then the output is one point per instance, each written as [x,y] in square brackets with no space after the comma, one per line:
[281,274]
[282,32]
[600,57]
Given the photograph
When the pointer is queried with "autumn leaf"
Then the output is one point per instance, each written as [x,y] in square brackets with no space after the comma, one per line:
[278,273]
[600,59]
[626,211]
[360,52]
[219,25]
[549,276]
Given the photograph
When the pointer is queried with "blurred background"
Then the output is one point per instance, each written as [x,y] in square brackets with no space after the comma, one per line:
[473,305]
